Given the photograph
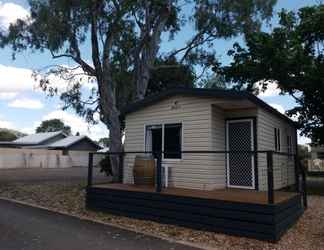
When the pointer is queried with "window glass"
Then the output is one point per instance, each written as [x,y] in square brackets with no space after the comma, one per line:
[172,141]
[277,139]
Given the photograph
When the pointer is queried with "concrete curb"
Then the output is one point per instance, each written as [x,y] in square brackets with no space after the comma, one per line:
[186,243]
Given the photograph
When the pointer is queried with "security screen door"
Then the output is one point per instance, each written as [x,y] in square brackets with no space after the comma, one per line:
[240,166]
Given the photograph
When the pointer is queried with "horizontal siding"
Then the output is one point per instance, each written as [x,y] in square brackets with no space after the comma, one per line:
[192,171]
[284,172]
[203,126]
[218,143]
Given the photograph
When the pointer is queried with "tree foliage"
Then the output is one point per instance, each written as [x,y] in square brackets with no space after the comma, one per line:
[53,125]
[6,135]
[215,81]
[292,56]
[123,39]
[10,134]
[170,74]
[104,142]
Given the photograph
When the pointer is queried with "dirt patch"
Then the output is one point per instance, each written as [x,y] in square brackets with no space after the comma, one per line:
[308,233]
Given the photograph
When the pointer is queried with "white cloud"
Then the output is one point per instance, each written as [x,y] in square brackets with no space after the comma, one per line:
[77,124]
[278,107]
[272,89]
[26,103]
[303,140]
[7,95]
[16,80]
[9,13]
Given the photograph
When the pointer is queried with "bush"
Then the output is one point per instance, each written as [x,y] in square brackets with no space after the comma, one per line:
[105,166]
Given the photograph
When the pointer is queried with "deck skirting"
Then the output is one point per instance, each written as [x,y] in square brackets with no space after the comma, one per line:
[260,221]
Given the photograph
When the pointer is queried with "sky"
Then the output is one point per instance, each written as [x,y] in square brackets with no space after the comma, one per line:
[23,105]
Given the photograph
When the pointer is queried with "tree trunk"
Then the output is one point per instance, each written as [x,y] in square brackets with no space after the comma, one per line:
[110,117]
[115,145]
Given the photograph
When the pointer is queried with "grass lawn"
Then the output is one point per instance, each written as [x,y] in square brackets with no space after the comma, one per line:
[308,233]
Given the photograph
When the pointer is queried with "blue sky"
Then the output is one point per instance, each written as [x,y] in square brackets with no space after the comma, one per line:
[23,107]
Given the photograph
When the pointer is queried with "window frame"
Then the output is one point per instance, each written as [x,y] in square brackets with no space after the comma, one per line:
[163,134]
[277,139]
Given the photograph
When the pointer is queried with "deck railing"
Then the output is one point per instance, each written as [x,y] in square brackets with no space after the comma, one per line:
[272,159]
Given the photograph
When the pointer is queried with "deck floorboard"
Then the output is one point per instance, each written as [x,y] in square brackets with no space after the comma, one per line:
[233,195]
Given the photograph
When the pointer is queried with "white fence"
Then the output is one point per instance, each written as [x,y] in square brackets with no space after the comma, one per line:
[42,158]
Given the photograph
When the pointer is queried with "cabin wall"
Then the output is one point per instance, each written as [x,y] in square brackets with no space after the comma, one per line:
[196,171]
[218,143]
[284,168]
[203,128]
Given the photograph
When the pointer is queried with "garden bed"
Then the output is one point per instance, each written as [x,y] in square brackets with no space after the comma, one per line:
[308,233]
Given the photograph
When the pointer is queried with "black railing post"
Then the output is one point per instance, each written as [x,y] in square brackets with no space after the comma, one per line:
[158,183]
[121,167]
[297,173]
[304,187]
[270,177]
[90,169]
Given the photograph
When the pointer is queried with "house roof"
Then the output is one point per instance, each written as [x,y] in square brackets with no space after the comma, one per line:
[71,140]
[199,92]
[36,139]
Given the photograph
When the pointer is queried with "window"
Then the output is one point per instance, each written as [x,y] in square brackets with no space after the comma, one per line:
[277,139]
[172,141]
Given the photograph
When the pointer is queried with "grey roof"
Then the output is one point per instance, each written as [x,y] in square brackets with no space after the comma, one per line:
[35,139]
[66,142]
[231,94]
[70,140]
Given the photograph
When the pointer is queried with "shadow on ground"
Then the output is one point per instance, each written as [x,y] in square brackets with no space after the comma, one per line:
[315,185]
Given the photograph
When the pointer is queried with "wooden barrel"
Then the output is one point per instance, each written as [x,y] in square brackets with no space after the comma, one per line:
[144,169]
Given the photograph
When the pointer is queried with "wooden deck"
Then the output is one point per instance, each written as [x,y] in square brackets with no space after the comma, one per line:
[235,195]
[229,211]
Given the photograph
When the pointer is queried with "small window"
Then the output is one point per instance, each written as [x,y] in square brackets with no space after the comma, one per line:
[172,141]
[277,139]
[65,152]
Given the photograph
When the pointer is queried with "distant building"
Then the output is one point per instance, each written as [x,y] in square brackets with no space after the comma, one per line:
[47,150]
[317,158]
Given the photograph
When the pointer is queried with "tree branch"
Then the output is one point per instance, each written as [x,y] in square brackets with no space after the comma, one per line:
[94,42]
[86,67]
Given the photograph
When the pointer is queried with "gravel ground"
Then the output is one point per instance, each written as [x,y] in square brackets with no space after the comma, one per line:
[308,233]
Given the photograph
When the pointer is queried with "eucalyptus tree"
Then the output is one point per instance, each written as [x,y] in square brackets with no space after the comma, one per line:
[116,44]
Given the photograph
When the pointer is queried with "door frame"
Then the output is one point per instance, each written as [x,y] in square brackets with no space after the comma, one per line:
[254,171]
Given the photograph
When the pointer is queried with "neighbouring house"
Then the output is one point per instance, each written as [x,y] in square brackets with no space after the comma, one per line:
[47,150]
[316,163]
[229,158]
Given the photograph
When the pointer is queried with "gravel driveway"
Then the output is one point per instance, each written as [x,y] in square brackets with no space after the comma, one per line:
[38,175]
